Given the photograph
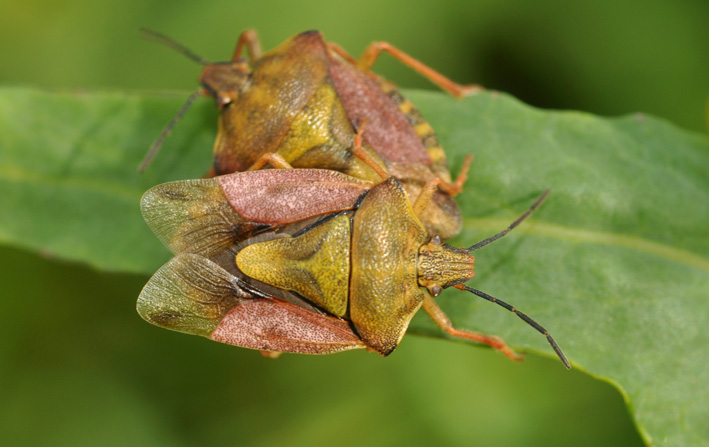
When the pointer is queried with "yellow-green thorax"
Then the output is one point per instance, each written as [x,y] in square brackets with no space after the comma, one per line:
[315,264]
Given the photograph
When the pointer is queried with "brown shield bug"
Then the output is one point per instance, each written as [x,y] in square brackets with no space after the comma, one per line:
[306,100]
[369,264]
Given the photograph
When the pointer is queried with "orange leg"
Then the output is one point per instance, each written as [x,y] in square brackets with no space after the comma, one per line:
[274,160]
[370,55]
[271,354]
[442,320]
[250,39]
[456,187]
[450,188]
[342,53]
[363,155]
[427,192]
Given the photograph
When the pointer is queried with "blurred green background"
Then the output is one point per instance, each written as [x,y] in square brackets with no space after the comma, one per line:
[79,367]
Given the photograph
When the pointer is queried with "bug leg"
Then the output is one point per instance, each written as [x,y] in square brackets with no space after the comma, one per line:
[456,187]
[250,40]
[427,192]
[372,52]
[442,320]
[271,158]
[359,151]
[271,354]
[342,53]
[450,188]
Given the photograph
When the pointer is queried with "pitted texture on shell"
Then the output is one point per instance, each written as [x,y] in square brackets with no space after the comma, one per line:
[444,266]
[289,195]
[315,264]
[281,83]
[384,290]
[273,325]
[305,102]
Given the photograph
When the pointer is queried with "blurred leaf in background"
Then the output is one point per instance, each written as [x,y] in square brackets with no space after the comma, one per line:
[76,357]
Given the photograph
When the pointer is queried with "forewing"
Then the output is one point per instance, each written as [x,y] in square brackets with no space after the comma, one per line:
[194,216]
[190,294]
[281,196]
[274,325]
[387,130]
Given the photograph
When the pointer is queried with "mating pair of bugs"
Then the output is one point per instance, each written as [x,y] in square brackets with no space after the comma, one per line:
[338,246]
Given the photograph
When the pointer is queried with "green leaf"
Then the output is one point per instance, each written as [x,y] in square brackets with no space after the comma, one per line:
[615,264]
[69,172]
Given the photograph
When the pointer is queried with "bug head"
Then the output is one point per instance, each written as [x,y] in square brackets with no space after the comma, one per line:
[224,80]
[441,266]
[221,80]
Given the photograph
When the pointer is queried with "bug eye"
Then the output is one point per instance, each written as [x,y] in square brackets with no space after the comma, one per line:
[223,101]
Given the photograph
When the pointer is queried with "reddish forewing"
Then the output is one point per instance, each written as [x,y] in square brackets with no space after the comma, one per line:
[274,325]
[387,130]
[280,196]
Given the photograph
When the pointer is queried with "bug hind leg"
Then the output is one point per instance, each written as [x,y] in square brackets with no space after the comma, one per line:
[442,320]
[272,159]
[372,52]
[249,39]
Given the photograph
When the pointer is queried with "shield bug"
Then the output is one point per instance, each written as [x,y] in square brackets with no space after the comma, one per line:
[306,100]
[371,263]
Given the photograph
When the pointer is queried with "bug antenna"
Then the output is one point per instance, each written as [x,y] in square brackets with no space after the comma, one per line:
[519,220]
[524,317]
[165,132]
[170,43]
